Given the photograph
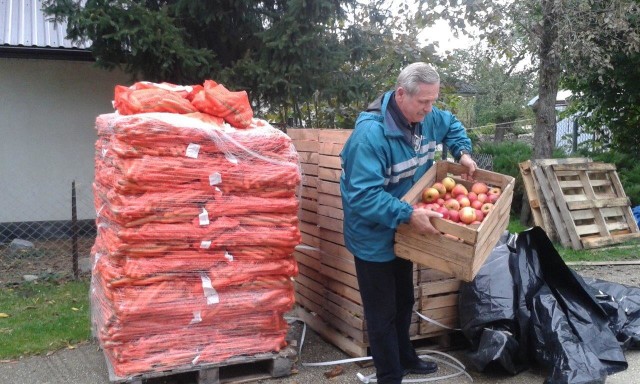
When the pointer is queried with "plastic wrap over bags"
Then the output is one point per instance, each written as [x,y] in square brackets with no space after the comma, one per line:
[526,306]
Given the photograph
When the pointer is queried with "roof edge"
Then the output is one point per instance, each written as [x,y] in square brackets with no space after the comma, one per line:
[21,52]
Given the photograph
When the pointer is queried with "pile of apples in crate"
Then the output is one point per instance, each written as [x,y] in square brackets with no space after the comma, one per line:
[458,204]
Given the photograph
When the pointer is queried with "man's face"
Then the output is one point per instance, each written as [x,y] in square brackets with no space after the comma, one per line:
[416,107]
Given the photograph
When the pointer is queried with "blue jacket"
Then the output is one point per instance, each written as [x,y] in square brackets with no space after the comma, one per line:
[379,166]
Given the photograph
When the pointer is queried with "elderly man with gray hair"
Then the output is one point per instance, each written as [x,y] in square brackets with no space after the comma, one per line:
[392,146]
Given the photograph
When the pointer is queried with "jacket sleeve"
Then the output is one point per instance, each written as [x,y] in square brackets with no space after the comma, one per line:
[364,184]
[456,138]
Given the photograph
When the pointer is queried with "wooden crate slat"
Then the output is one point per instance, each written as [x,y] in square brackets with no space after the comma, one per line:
[347,345]
[332,162]
[330,200]
[330,223]
[334,135]
[309,169]
[306,145]
[329,187]
[303,133]
[532,195]
[332,212]
[329,174]
[330,149]
[549,203]
[308,157]
[565,214]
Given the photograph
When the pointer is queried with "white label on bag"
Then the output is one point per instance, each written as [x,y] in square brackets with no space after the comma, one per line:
[205,244]
[215,178]
[193,150]
[197,317]
[204,217]
[228,256]
[209,292]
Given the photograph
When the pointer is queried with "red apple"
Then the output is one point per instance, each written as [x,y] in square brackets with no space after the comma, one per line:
[486,208]
[476,204]
[454,215]
[444,212]
[494,191]
[441,188]
[448,183]
[479,187]
[447,196]
[463,200]
[440,201]
[459,189]
[472,196]
[492,198]
[479,215]
[482,197]
[452,204]
[467,215]
[430,195]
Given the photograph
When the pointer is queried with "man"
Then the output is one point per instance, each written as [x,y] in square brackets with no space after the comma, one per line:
[392,146]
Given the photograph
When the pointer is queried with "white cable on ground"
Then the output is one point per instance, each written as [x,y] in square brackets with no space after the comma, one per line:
[458,366]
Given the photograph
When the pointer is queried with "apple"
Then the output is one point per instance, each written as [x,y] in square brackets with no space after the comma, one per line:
[448,183]
[454,215]
[479,215]
[494,191]
[447,196]
[479,187]
[467,215]
[482,197]
[472,196]
[430,195]
[452,204]
[486,208]
[476,204]
[463,200]
[441,188]
[492,198]
[459,189]
[440,201]
[444,212]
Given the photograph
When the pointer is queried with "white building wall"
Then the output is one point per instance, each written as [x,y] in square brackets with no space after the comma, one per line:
[47,136]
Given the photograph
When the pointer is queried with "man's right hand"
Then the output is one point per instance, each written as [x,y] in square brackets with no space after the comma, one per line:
[421,221]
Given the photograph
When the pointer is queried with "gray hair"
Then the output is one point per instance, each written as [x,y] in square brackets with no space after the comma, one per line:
[414,74]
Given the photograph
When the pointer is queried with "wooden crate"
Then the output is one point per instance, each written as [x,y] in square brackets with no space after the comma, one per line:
[541,199]
[439,302]
[592,203]
[461,257]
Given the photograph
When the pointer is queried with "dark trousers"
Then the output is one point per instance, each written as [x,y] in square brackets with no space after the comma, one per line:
[387,296]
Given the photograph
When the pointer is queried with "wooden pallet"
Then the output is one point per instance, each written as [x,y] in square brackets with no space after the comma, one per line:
[582,203]
[240,369]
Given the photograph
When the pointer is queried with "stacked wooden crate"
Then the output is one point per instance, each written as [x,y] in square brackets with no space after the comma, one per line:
[578,202]
[327,288]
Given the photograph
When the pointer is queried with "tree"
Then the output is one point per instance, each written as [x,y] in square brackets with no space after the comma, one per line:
[551,32]
[501,89]
[608,98]
[280,51]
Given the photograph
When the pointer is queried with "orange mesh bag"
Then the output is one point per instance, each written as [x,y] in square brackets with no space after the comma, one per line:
[130,101]
[217,100]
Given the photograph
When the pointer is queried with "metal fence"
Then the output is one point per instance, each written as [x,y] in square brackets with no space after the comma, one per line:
[46,227]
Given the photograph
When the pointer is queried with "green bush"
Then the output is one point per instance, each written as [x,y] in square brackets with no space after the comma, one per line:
[506,157]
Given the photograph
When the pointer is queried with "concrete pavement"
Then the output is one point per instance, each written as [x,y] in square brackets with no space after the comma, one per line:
[85,364]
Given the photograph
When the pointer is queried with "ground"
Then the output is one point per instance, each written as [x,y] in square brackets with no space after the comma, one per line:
[47,259]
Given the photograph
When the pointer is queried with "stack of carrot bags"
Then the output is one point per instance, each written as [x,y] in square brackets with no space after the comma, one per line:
[196,205]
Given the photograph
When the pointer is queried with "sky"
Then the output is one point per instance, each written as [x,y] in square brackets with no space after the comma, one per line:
[441,32]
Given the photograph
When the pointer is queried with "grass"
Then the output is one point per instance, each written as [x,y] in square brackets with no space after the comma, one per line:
[39,317]
[618,252]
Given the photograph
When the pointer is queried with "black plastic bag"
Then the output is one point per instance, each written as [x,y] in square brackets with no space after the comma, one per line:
[555,318]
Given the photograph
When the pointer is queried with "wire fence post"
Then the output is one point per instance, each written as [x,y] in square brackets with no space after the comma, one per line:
[74,231]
